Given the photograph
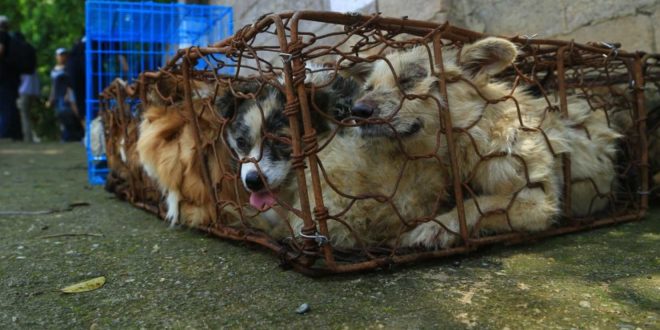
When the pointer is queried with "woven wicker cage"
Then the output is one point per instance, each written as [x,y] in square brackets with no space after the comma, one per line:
[273,55]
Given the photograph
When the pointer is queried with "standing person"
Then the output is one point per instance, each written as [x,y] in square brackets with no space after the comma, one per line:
[63,100]
[10,121]
[29,89]
[28,94]
[75,68]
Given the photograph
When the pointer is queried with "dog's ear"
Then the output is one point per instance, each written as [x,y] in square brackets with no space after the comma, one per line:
[344,86]
[321,100]
[357,71]
[334,101]
[201,89]
[229,99]
[487,57]
[165,90]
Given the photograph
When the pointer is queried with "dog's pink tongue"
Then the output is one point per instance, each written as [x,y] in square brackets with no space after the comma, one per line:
[262,199]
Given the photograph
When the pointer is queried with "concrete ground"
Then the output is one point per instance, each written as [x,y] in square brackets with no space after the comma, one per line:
[179,278]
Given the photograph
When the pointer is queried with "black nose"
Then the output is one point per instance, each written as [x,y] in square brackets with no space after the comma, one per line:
[362,110]
[253,181]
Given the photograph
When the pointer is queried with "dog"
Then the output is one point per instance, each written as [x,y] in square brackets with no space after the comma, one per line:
[617,100]
[371,185]
[508,153]
[119,129]
[168,153]
[260,135]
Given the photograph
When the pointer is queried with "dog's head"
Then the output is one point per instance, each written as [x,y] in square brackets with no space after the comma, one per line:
[260,133]
[169,90]
[401,92]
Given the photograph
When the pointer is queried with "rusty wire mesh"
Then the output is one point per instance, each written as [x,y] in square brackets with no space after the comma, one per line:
[360,190]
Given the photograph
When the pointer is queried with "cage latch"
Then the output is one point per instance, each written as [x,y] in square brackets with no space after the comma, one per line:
[286,57]
[318,238]
[614,49]
[529,38]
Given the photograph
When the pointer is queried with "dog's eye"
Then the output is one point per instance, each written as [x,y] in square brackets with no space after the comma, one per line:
[368,88]
[241,143]
[286,139]
[405,82]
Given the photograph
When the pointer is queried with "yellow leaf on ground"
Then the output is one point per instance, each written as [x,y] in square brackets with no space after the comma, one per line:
[85,286]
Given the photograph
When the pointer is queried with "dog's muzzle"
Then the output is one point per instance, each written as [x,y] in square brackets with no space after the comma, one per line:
[363,109]
[253,181]
[260,197]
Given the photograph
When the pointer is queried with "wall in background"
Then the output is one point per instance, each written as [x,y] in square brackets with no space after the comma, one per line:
[633,23]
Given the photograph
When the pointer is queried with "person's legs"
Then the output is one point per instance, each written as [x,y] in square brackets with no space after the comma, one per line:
[4,123]
[15,130]
[69,126]
[24,104]
[77,129]
[61,119]
[9,117]
[7,105]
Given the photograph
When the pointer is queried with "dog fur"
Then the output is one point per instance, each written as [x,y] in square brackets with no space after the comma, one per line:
[126,176]
[618,100]
[260,135]
[168,154]
[388,180]
[348,159]
[503,199]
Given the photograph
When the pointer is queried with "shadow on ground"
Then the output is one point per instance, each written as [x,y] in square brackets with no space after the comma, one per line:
[159,277]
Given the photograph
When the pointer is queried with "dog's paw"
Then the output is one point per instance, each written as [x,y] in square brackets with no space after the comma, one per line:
[171,218]
[432,235]
[172,208]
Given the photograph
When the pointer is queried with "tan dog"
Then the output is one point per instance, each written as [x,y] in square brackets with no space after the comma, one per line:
[371,187]
[514,171]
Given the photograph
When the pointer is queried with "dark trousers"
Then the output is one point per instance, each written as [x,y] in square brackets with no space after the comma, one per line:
[70,127]
[10,120]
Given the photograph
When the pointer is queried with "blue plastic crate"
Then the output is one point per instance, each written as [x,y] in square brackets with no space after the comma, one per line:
[126,38]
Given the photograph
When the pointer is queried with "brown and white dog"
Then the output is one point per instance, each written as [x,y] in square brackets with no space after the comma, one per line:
[168,153]
[119,128]
[260,135]
[390,173]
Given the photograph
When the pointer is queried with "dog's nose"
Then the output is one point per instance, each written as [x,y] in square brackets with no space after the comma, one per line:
[362,110]
[253,181]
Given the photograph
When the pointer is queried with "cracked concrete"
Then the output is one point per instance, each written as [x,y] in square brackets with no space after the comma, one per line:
[179,278]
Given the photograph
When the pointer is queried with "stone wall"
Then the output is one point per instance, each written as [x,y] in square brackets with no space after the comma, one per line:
[247,12]
[633,23]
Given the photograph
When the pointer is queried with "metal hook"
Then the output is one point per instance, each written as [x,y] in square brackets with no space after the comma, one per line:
[608,45]
[529,38]
[614,48]
[318,238]
[286,57]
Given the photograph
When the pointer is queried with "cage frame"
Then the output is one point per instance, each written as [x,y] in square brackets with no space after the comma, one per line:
[287,35]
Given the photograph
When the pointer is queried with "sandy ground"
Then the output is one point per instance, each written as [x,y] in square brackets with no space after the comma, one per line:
[179,278]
